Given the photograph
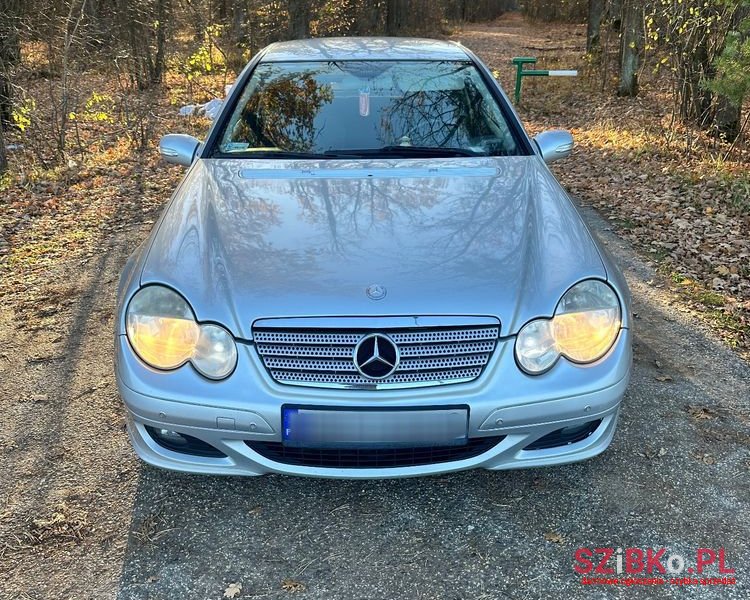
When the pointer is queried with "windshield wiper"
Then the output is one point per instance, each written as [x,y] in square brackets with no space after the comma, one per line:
[405,151]
[385,151]
[284,154]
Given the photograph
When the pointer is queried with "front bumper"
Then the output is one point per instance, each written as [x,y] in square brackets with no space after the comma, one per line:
[246,407]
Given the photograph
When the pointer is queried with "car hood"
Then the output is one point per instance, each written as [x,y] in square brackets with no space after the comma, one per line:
[248,239]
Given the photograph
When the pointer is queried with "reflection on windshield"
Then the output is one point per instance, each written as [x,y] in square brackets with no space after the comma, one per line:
[282,113]
[331,107]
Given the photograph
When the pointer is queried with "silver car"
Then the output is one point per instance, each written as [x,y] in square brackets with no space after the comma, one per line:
[368,270]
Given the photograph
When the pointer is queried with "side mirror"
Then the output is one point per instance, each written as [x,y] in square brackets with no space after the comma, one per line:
[179,148]
[554,145]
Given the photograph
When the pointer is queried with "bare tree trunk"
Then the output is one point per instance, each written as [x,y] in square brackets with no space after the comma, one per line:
[10,55]
[367,19]
[614,10]
[695,102]
[3,154]
[162,19]
[631,41]
[393,17]
[234,52]
[72,23]
[693,69]
[299,19]
[596,13]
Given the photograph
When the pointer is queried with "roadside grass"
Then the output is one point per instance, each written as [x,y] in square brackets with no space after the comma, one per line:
[32,253]
[721,312]
[610,137]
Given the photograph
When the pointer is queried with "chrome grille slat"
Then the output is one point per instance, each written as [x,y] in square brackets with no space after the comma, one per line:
[449,335]
[446,349]
[325,357]
[448,362]
[306,364]
[420,364]
[357,379]
[411,337]
[290,337]
[306,351]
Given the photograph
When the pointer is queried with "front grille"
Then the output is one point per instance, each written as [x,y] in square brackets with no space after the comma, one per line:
[372,458]
[325,357]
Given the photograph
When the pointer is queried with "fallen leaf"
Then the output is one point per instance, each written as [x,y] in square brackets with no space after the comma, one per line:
[706,459]
[650,452]
[663,378]
[723,270]
[292,586]
[701,412]
[554,537]
[233,590]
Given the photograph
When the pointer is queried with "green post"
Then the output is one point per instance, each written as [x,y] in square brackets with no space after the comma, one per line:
[520,61]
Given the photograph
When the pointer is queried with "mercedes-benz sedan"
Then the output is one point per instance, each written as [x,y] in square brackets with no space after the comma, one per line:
[368,270]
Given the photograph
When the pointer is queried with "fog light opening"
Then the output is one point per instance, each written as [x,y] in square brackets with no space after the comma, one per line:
[183,443]
[171,437]
[565,436]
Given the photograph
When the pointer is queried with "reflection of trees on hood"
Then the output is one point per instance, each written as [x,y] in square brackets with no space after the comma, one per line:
[282,113]
[350,210]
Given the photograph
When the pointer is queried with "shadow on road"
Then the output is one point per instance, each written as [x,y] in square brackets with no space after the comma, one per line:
[64,467]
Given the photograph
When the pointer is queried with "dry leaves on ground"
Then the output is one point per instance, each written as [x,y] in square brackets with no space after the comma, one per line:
[66,523]
[652,453]
[701,412]
[554,537]
[705,458]
[292,586]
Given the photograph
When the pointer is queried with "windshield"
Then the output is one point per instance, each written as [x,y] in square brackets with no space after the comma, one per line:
[367,108]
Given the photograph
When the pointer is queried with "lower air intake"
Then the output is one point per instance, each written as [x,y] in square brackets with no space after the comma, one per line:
[372,458]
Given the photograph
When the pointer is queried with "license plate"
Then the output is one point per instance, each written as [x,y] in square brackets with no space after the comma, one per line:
[373,428]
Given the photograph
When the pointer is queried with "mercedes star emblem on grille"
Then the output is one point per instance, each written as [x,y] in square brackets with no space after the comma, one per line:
[376,356]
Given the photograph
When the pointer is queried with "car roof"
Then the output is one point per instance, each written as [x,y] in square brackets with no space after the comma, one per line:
[364,48]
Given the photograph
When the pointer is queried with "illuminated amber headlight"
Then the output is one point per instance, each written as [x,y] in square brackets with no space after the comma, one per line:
[162,330]
[584,327]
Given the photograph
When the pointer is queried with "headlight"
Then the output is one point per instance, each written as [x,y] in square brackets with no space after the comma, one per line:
[162,330]
[215,353]
[583,329]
